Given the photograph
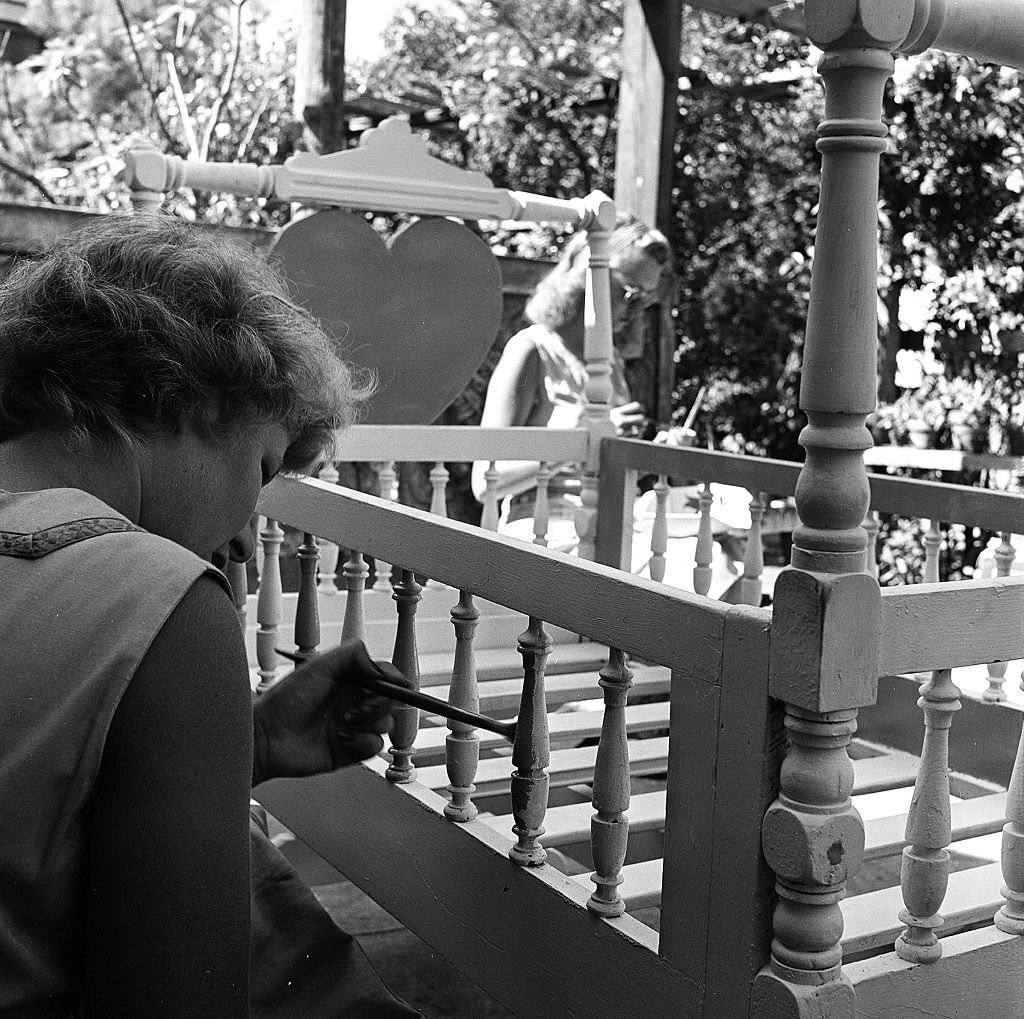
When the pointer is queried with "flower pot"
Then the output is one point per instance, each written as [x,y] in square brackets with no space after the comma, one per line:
[920,435]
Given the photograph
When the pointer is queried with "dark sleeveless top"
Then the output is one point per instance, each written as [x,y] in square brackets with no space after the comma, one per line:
[84,592]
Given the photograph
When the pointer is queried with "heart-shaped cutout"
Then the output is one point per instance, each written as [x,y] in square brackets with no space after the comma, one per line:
[422,312]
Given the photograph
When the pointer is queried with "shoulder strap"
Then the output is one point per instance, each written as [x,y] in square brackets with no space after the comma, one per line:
[36,544]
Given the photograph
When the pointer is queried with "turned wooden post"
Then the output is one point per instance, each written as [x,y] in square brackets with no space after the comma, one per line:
[489,517]
[1010,917]
[355,571]
[932,546]
[269,601]
[462,744]
[827,610]
[307,609]
[1004,556]
[406,659]
[753,556]
[609,827]
[329,551]
[438,485]
[924,868]
[541,513]
[597,355]
[659,532]
[531,751]
[705,543]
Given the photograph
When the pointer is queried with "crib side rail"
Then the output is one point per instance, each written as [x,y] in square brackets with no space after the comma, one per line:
[563,591]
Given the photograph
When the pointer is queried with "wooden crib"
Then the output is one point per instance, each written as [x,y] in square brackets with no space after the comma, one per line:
[731,884]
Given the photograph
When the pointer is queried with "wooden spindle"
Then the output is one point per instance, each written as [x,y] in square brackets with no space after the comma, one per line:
[826,618]
[932,546]
[307,609]
[597,356]
[924,868]
[753,556]
[659,530]
[462,744]
[355,571]
[705,543]
[407,660]
[1004,556]
[609,827]
[531,751]
[329,551]
[585,517]
[269,604]
[439,484]
[871,527]
[541,513]
[489,517]
[261,525]
[387,488]
[1010,917]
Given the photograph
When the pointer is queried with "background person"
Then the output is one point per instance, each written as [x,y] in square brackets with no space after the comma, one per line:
[540,378]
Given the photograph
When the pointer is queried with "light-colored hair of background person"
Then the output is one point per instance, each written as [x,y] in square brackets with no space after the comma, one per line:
[137,324]
[558,297]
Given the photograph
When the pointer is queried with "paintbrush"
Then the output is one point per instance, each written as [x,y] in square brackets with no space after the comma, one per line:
[415,699]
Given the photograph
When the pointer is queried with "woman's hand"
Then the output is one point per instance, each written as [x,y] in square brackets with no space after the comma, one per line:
[312,721]
[629,419]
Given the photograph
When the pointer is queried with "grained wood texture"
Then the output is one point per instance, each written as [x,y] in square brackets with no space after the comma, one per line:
[980,974]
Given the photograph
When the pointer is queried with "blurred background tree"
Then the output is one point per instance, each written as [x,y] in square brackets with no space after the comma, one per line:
[528,91]
[205,80]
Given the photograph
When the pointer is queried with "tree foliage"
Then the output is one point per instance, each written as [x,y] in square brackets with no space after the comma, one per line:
[198,79]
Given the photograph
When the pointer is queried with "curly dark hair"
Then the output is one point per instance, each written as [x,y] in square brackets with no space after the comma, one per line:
[558,298]
[138,324]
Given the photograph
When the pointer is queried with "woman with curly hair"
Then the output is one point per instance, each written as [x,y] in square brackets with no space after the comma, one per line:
[541,377]
[152,380]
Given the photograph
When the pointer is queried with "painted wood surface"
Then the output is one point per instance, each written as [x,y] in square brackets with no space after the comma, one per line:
[354,818]
[917,634]
[420,311]
[980,975]
[639,616]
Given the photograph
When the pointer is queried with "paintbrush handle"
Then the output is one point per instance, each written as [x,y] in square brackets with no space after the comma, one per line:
[416,699]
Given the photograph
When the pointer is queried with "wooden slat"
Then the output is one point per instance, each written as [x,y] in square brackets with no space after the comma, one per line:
[983,967]
[447,443]
[646,757]
[937,626]
[565,726]
[499,696]
[641,884]
[570,824]
[982,815]
[870,920]
[643,618]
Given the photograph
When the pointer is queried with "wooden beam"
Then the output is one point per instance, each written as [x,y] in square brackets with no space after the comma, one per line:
[647,108]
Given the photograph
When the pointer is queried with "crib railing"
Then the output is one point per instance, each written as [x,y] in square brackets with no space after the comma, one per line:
[645,622]
[703,663]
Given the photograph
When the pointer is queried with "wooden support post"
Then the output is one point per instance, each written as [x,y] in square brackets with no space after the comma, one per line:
[827,614]
[269,602]
[597,355]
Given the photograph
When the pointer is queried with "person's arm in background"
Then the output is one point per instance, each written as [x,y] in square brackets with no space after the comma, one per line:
[167,908]
[512,393]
